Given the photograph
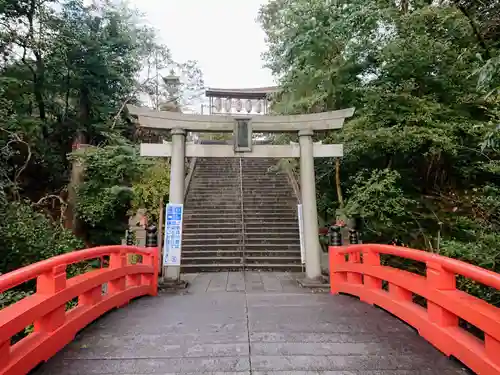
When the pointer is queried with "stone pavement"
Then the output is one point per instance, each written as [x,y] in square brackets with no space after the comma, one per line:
[248,323]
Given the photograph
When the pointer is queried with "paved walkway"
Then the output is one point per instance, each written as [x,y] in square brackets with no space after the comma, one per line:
[252,323]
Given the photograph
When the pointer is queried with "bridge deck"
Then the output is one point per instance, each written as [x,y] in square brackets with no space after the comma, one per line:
[252,323]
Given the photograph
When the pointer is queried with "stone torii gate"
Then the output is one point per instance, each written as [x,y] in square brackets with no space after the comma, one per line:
[242,126]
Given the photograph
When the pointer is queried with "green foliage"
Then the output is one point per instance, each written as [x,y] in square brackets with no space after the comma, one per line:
[152,186]
[27,236]
[378,198]
[421,161]
[106,192]
[67,70]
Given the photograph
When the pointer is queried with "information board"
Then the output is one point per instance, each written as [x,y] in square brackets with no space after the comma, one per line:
[301,233]
[173,234]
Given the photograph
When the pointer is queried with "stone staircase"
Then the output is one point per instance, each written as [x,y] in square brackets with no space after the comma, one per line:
[270,218]
[212,232]
[220,233]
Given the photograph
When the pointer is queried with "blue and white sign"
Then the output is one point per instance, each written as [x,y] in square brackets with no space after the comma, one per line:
[301,234]
[173,234]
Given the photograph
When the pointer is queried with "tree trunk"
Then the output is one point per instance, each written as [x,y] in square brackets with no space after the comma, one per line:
[337,183]
[77,169]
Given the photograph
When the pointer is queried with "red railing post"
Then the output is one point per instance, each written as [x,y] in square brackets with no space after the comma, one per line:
[355,277]
[336,259]
[91,297]
[117,260]
[4,353]
[440,279]
[135,279]
[151,279]
[492,348]
[371,259]
[51,283]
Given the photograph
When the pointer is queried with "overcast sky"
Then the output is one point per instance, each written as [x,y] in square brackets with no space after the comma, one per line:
[222,35]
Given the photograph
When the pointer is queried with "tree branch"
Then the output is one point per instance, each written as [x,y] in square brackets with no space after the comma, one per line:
[62,202]
[15,138]
[474,27]
[117,116]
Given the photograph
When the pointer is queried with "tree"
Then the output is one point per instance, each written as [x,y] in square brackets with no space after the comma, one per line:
[413,165]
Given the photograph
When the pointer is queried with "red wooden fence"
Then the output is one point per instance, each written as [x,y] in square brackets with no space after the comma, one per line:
[54,326]
[356,270]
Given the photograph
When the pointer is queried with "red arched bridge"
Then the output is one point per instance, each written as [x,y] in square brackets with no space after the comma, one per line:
[249,323]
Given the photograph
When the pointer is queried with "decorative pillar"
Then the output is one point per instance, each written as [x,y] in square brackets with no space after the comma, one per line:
[177,175]
[309,209]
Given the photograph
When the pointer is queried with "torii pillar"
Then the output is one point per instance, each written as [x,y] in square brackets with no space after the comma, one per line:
[306,150]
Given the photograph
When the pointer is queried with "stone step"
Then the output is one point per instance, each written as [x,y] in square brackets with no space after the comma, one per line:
[264,190]
[274,267]
[251,181]
[276,237]
[251,210]
[209,234]
[192,208]
[216,207]
[283,201]
[216,210]
[272,260]
[211,192]
[227,190]
[270,214]
[251,186]
[285,231]
[186,254]
[215,267]
[267,193]
[268,207]
[232,191]
[204,215]
[268,247]
[211,220]
[260,240]
[220,172]
[276,224]
[217,259]
[212,200]
[211,247]
[265,179]
[195,182]
[217,174]
[195,229]
[218,204]
[210,185]
[188,241]
[211,267]
[211,226]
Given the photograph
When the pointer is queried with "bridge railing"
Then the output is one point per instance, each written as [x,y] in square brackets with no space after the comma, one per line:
[54,325]
[357,270]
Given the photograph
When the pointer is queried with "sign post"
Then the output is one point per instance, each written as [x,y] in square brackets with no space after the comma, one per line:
[173,235]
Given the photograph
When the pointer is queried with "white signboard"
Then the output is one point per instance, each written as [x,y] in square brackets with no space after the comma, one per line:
[173,235]
[301,233]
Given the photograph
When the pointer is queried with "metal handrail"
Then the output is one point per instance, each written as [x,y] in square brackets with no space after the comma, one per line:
[243,231]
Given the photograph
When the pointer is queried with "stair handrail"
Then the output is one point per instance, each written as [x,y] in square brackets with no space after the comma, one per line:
[54,326]
[357,270]
[243,230]
[191,167]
